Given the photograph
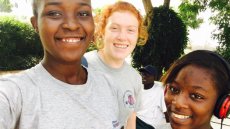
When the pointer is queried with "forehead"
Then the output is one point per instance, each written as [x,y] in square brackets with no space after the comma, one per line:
[123,18]
[193,76]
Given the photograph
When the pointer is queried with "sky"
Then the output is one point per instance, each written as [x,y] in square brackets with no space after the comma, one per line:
[138,3]
[199,38]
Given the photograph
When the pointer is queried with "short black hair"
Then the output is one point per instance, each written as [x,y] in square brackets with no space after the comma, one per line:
[35,4]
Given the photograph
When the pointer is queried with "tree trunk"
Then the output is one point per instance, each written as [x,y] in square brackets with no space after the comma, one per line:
[147,5]
[166,3]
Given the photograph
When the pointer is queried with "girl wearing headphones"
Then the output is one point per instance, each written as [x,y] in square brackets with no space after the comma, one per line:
[197,86]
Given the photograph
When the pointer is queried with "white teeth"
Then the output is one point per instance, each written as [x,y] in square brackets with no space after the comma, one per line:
[71,40]
[121,45]
[180,116]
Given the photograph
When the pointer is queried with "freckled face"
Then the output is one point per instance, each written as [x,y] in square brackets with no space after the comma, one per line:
[65,28]
[191,98]
[121,34]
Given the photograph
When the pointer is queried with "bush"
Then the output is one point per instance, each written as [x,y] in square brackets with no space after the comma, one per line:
[20,45]
[166,42]
[224,52]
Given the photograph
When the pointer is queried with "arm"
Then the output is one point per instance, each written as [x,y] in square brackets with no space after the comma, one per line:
[138,94]
[10,102]
[131,123]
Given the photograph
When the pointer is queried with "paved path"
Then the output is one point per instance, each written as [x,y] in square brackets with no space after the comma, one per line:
[216,123]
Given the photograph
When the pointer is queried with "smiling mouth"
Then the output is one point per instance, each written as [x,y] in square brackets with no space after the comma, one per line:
[183,117]
[70,40]
[123,46]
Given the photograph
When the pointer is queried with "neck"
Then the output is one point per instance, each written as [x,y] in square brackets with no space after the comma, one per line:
[69,73]
[148,86]
[205,126]
[110,61]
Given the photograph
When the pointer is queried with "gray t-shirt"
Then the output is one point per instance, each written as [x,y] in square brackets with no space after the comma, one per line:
[34,99]
[128,84]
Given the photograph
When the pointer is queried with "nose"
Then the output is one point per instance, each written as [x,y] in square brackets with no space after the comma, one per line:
[180,101]
[71,23]
[122,35]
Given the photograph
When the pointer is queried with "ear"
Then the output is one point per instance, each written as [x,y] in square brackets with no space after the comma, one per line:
[34,23]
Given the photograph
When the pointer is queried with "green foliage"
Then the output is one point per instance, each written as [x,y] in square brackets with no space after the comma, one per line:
[189,13]
[19,45]
[167,40]
[222,20]
[91,47]
[5,6]
[224,52]
[220,17]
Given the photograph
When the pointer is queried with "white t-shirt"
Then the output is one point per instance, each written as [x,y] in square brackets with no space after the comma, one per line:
[34,99]
[153,106]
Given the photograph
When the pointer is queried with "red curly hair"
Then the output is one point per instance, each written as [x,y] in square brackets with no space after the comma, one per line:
[120,6]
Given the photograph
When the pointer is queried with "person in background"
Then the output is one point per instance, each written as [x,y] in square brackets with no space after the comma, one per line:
[59,93]
[197,86]
[118,32]
[152,113]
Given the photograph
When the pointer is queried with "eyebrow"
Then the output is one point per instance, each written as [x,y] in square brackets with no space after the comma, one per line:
[193,86]
[59,3]
[52,3]
[133,26]
[199,88]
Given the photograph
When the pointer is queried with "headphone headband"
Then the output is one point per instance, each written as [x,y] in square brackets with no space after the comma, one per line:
[222,108]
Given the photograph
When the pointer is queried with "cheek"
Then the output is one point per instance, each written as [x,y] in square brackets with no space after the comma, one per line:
[202,114]
[133,39]
[89,27]
[52,28]
[109,38]
[168,99]
[204,109]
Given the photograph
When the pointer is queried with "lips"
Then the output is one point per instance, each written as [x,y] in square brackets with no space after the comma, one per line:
[178,116]
[70,40]
[118,45]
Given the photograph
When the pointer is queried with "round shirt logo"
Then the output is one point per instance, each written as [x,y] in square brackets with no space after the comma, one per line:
[128,99]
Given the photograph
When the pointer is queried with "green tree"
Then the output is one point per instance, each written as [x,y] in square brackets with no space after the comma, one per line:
[21,47]
[189,13]
[5,6]
[167,37]
[220,17]
[166,42]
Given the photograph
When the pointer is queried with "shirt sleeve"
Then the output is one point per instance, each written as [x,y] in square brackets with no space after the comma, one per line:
[10,104]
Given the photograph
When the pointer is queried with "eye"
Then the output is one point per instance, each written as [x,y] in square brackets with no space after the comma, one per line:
[196,96]
[174,89]
[84,14]
[114,28]
[131,30]
[54,14]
